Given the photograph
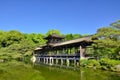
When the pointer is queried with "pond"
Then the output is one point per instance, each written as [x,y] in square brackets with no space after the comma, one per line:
[60,73]
[20,71]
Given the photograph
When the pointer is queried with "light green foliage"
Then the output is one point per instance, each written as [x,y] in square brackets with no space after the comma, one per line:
[68,37]
[72,36]
[107,42]
[11,37]
[104,64]
[89,51]
[23,47]
[75,36]
[93,63]
[86,35]
[83,62]
[106,45]
[35,38]
[90,63]
[16,45]
[53,31]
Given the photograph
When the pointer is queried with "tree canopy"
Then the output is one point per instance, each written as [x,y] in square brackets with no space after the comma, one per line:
[107,41]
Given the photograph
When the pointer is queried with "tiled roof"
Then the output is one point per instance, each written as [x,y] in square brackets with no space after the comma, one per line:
[87,39]
[73,41]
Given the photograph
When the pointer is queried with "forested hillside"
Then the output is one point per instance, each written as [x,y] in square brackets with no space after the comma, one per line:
[16,45]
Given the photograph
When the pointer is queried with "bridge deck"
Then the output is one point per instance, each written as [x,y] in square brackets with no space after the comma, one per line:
[59,55]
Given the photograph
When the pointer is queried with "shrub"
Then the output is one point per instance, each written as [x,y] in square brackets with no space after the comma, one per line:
[108,64]
[83,62]
[93,63]
[90,63]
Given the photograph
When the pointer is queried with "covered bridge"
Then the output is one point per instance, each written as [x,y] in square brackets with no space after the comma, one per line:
[56,48]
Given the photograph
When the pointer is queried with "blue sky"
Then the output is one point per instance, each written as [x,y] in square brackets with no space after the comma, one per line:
[67,16]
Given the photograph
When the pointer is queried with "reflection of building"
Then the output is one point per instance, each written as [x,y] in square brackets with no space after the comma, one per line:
[55,48]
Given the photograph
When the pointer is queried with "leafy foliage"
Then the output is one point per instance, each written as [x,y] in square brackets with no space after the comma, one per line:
[116,24]
[107,42]
[17,45]
[72,36]
[90,63]
[108,64]
[53,31]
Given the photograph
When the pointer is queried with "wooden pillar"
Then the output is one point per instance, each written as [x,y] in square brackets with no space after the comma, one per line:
[51,61]
[56,61]
[74,62]
[67,62]
[61,61]
[39,59]
[44,60]
[82,52]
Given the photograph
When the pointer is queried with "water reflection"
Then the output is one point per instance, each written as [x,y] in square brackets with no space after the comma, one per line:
[62,73]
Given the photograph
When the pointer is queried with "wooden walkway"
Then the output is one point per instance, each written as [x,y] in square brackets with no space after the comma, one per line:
[59,59]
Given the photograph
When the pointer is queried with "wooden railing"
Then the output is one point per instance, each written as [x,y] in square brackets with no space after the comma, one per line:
[59,55]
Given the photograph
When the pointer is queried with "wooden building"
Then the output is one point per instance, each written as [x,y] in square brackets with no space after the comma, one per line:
[57,51]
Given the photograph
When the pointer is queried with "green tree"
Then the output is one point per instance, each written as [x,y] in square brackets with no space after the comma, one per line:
[68,37]
[11,37]
[75,36]
[35,38]
[2,38]
[107,42]
[116,24]
[72,36]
